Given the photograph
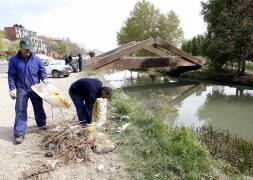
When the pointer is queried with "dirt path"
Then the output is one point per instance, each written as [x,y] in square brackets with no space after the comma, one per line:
[16,159]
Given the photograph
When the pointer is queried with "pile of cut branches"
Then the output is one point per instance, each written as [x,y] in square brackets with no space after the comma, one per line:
[64,143]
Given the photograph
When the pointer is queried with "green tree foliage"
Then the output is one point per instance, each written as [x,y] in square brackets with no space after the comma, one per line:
[2,36]
[146,21]
[13,47]
[61,47]
[66,46]
[186,46]
[172,33]
[75,48]
[10,47]
[230,32]
[196,46]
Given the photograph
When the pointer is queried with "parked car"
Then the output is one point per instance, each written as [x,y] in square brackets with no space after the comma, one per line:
[54,67]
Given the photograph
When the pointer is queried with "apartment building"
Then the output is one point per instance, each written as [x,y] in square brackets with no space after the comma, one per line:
[15,32]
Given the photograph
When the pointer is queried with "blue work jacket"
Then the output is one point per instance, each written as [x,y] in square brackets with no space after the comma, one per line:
[25,73]
[89,89]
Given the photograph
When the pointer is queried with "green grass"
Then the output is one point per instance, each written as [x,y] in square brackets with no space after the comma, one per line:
[89,72]
[249,66]
[153,150]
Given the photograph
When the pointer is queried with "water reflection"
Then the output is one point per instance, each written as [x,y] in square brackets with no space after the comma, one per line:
[222,107]
[226,107]
[128,78]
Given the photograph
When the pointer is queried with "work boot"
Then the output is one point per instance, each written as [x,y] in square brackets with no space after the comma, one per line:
[43,128]
[19,139]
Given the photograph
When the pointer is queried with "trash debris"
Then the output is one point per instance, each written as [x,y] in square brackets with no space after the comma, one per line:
[157,175]
[17,153]
[100,167]
[68,140]
[103,149]
[122,128]
[51,146]
[119,117]
[53,164]
[49,154]
[57,128]
[102,144]
[124,117]
[112,169]
[78,160]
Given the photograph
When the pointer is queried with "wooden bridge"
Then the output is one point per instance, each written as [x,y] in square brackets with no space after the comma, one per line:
[117,58]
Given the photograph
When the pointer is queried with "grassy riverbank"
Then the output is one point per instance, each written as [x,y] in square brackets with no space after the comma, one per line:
[153,150]
[226,77]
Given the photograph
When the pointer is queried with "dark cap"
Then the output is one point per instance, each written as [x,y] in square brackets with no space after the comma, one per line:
[25,43]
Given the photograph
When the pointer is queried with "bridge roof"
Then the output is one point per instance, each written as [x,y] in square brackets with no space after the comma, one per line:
[149,45]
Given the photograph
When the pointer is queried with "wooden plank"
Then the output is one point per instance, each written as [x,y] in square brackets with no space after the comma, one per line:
[87,62]
[117,49]
[148,62]
[126,51]
[156,51]
[179,52]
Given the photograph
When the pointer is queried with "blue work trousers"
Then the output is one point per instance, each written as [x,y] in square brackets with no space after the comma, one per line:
[20,126]
[80,108]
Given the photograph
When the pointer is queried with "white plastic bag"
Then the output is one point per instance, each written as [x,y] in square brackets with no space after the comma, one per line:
[99,111]
[50,94]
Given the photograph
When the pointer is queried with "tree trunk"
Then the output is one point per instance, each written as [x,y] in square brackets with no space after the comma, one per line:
[239,67]
[243,67]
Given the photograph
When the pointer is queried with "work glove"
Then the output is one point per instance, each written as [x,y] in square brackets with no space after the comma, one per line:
[45,81]
[13,94]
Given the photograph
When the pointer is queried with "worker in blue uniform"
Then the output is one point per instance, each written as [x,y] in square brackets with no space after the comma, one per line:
[84,93]
[24,70]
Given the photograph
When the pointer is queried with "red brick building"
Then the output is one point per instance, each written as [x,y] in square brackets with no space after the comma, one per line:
[15,32]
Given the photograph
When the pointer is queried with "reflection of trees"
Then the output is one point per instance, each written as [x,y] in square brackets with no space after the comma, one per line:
[232,112]
[159,104]
[144,78]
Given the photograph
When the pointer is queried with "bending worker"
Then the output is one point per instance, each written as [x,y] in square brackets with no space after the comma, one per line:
[84,93]
[26,69]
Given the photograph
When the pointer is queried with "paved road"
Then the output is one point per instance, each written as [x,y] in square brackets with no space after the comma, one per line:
[3,67]
[17,159]
[13,165]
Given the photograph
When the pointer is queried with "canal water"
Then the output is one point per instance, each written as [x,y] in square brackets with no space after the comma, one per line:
[194,104]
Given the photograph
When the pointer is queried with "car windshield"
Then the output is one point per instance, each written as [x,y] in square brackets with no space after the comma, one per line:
[52,62]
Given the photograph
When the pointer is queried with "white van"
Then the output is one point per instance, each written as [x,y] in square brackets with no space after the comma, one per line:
[54,67]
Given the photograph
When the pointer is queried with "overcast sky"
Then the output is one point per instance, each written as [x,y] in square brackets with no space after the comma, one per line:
[91,23]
